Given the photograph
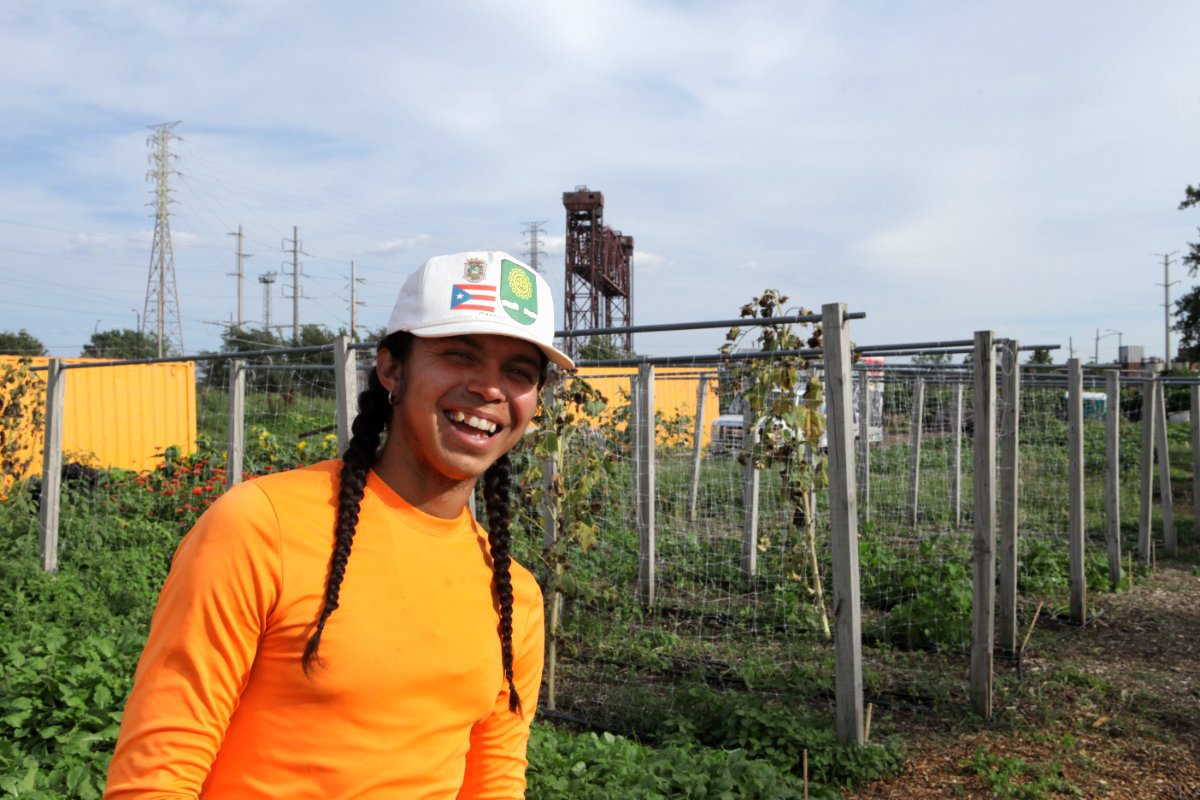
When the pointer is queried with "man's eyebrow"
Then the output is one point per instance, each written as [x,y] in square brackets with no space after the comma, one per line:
[525,358]
[474,343]
[463,340]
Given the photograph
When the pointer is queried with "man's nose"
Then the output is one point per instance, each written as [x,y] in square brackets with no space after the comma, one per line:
[486,384]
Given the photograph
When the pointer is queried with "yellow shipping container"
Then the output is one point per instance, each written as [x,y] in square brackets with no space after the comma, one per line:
[674,395]
[120,416]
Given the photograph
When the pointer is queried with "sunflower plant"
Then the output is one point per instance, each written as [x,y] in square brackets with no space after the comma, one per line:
[783,402]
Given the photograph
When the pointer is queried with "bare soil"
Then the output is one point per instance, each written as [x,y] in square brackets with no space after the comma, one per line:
[1107,710]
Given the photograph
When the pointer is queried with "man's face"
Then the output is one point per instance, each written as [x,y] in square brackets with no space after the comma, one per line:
[464,401]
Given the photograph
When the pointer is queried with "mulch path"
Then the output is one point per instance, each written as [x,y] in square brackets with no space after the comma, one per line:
[1110,710]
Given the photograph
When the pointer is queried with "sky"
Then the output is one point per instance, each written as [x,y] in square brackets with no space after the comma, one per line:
[942,167]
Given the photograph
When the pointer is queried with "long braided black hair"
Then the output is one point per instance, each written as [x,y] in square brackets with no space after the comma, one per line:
[496,483]
[374,413]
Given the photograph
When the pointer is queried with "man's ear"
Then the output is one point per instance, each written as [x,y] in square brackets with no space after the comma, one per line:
[390,373]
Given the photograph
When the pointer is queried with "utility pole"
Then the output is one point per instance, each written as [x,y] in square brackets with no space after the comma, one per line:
[241,256]
[162,297]
[354,304]
[297,292]
[534,244]
[1167,284]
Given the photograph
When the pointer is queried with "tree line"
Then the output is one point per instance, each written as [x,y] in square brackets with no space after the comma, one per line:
[122,344]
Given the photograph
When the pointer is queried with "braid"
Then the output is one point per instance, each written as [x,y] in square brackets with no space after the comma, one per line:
[374,413]
[496,486]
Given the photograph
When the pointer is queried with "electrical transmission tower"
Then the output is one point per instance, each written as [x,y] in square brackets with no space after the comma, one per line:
[267,279]
[533,244]
[161,313]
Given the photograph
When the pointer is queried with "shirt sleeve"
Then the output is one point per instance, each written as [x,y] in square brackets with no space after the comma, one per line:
[214,606]
[496,760]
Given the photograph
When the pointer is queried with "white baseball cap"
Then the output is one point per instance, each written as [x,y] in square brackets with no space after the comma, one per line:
[484,291]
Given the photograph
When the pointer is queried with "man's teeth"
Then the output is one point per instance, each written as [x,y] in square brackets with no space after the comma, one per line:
[475,422]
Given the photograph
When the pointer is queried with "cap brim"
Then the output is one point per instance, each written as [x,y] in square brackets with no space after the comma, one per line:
[477,326]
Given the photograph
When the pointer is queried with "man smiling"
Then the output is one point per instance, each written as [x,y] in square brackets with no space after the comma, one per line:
[348,629]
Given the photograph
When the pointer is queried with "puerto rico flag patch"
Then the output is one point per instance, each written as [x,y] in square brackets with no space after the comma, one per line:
[473,297]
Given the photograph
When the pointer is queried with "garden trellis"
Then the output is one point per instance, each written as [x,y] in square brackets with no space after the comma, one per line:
[684,566]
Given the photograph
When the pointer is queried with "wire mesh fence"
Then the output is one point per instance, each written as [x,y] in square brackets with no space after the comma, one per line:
[742,572]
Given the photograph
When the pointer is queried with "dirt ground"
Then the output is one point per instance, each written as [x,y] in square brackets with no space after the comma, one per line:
[1109,710]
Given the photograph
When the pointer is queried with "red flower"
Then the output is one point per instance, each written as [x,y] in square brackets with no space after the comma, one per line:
[197,491]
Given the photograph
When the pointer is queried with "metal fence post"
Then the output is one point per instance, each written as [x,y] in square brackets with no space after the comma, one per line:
[1146,483]
[697,446]
[51,499]
[1195,413]
[1166,496]
[645,433]
[956,473]
[1076,567]
[864,443]
[236,433]
[843,524]
[914,452]
[983,613]
[1112,451]
[750,489]
[345,372]
[1010,418]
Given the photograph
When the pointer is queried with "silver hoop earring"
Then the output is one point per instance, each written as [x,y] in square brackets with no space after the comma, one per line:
[392,399]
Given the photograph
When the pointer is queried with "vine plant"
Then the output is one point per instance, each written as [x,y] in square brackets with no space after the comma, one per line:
[567,490]
[783,422]
[20,420]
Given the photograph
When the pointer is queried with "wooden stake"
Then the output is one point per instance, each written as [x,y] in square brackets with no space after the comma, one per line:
[867,724]
[805,773]
[1032,622]
[1131,570]
[1153,557]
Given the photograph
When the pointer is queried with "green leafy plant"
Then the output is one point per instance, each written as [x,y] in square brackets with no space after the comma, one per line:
[566,766]
[72,639]
[776,734]
[1016,779]
[566,490]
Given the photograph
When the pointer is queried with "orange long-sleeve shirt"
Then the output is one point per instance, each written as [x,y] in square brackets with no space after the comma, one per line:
[410,700]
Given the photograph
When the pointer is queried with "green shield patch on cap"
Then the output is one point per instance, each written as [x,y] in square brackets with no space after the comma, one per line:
[518,292]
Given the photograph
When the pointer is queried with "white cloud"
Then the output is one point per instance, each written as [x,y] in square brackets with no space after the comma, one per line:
[396,246]
[940,167]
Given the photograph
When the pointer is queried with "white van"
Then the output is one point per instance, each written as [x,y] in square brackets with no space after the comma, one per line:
[727,431]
